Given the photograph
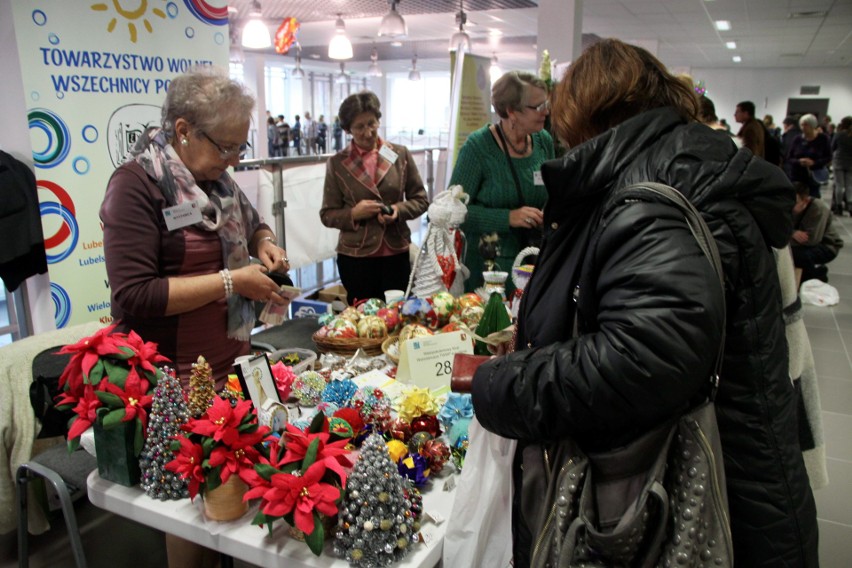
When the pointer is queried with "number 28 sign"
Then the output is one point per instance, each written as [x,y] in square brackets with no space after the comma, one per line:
[428,361]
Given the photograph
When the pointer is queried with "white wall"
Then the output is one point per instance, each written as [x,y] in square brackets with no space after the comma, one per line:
[769,89]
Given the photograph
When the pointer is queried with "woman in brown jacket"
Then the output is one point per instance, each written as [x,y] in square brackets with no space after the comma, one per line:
[372,188]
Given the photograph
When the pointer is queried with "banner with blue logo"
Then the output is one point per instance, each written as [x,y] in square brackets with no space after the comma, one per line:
[95,74]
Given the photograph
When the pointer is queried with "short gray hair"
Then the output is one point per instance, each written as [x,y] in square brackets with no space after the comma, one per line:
[206,98]
[808,119]
[509,92]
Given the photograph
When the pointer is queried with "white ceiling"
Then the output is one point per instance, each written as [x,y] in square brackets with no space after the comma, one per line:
[768,33]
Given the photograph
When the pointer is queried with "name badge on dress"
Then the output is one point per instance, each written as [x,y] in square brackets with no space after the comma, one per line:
[537,179]
[388,154]
[183,215]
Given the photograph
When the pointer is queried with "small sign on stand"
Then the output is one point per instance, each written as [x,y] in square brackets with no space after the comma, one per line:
[428,361]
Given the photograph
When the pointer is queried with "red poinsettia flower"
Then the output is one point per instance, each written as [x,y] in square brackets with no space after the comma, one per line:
[187,464]
[221,421]
[146,354]
[85,409]
[302,495]
[240,457]
[334,455]
[86,352]
[134,395]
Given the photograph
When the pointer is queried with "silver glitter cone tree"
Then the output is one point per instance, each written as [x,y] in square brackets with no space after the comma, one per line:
[168,413]
[375,526]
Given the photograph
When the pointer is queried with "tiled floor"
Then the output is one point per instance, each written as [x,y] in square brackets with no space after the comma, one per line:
[112,541]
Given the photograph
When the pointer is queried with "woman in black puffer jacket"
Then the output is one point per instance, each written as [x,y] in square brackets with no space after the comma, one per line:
[649,322]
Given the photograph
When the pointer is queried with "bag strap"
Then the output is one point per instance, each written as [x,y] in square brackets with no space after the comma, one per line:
[706,242]
[499,130]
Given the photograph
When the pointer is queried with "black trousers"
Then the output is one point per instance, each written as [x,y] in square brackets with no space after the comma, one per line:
[808,258]
[369,277]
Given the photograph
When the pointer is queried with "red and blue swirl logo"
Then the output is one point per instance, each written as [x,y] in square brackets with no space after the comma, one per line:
[49,133]
[61,305]
[62,243]
[213,15]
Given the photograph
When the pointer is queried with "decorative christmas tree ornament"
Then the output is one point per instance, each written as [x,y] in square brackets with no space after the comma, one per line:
[374,406]
[342,327]
[168,414]
[416,468]
[436,453]
[397,450]
[458,406]
[418,440]
[375,526]
[470,299]
[391,318]
[371,306]
[308,387]
[372,327]
[351,314]
[417,402]
[413,330]
[426,424]
[494,318]
[445,305]
[201,387]
[339,393]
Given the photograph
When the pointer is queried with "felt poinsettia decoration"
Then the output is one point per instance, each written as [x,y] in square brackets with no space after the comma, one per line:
[302,480]
[226,440]
[110,379]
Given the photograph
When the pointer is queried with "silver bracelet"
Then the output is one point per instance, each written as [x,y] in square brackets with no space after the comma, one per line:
[270,239]
[228,282]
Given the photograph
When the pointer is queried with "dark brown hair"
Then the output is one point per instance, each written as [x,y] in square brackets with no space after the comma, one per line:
[611,82]
[355,104]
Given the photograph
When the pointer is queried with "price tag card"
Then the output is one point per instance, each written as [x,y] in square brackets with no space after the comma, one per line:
[428,361]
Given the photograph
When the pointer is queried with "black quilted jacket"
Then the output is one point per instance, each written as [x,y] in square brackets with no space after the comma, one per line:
[649,322]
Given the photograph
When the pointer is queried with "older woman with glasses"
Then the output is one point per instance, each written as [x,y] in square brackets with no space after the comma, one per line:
[499,166]
[179,233]
[372,187]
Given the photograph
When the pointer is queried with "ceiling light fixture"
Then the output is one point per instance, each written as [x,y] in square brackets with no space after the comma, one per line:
[737,58]
[374,70]
[731,44]
[340,47]
[298,72]
[723,25]
[392,24]
[255,32]
[414,74]
[460,37]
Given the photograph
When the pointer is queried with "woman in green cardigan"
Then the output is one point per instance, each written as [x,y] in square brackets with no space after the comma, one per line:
[498,203]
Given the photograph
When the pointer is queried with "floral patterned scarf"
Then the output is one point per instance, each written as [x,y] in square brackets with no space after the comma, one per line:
[224,209]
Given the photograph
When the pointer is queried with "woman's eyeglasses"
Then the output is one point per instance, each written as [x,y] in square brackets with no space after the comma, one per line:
[545,106]
[228,153]
[359,128]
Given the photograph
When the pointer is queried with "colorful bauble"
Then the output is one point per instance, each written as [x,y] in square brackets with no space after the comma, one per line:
[373,406]
[418,439]
[414,467]
[351,314]
[352,417]
[470,299]
[339,393]
[436,453]
[458,406]
[426,424]
[308,388]
[459,430]
[327,408]
[471,315]
[326,318]
[444,304]
[417,402]
[340,428]
[342,328]
[371,306]
[418,310]
[372,327]
[391,318]
[399,430]
[413,330]
[455,326]
[397,450]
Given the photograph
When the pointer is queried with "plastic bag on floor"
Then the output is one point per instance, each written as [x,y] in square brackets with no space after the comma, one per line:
[479,531]
[819,293]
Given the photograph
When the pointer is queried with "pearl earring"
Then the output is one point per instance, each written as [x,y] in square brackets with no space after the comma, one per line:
[184,142]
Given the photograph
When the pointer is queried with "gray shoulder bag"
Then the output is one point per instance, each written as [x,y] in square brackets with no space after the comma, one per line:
[659,501]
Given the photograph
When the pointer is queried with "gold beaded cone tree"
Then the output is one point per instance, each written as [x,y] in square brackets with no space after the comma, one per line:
[201,387]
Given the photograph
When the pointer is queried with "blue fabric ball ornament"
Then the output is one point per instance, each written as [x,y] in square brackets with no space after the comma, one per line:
[340,392]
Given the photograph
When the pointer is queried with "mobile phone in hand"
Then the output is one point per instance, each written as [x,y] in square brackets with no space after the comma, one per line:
[386,209]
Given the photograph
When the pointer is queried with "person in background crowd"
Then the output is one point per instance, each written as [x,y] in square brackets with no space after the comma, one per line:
[841,163]
[769,124]
[372,188]
[499,168]
[190,288]
[296,135]
[649,323]
[791,130]
[273,140]
[283,135]
[309,133]
[322,134]
[724,123]
[337,132]
[752,134]
[815,241]
[809,155]
[707,114]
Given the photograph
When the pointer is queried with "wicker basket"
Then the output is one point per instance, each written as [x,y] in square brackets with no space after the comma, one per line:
[386,345]
[348,345]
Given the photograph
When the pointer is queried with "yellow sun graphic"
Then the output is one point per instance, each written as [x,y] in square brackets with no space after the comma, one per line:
[130,14]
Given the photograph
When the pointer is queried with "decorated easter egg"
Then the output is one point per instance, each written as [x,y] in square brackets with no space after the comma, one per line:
[342,328]
[371,306]
[444,304]
[350,313]
[372,327]
[391,318]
